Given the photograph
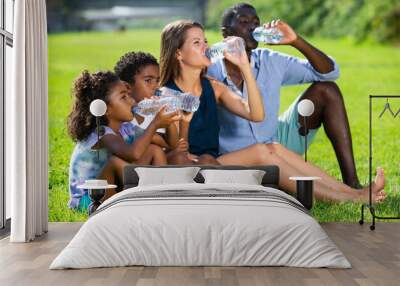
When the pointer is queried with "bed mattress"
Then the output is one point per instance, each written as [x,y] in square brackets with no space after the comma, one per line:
[201,225]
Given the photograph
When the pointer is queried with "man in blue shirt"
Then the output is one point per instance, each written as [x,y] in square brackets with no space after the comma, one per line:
[273,70]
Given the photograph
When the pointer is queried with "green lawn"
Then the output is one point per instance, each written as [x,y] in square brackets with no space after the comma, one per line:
[365,69]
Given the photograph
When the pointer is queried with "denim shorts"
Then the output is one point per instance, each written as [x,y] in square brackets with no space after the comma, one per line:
[288,130]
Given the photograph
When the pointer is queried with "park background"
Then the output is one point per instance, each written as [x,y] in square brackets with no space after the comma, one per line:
[363,37]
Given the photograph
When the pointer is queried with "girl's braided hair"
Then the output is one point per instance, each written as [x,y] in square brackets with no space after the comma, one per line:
[88,87]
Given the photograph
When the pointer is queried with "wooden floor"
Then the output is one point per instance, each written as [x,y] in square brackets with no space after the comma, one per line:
[374,255]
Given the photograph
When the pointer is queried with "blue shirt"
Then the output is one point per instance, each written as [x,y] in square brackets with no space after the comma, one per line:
[272,70]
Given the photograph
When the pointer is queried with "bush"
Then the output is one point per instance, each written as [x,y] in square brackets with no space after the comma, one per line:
[378,20]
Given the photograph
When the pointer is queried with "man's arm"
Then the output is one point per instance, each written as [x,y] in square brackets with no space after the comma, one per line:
[319,61]
[317,67]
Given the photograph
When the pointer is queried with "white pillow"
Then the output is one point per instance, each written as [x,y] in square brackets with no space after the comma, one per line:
[164,176]
[249,177]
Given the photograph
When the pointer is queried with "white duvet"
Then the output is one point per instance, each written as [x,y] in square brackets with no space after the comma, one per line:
[269,228]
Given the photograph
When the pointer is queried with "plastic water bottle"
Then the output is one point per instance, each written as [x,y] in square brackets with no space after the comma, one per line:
[151,106]
[167,92]
[233,45]
[174,100]
[269,36]
[173,103]
[147,107]
[187,102]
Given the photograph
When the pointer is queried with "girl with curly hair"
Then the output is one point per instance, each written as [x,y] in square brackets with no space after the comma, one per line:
[120,142]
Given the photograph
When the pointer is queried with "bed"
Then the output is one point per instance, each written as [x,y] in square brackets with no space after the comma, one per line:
[201,224]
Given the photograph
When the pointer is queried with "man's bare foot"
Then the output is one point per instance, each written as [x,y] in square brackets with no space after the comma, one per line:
[378,194]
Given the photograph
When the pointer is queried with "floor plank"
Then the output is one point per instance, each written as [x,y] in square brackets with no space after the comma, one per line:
[374,255]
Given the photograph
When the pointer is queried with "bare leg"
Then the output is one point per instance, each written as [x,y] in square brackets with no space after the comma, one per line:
[206,159]
[178,158]
[112,172]
[262,154]
[181,158]
[153,155]
[331,112]
[297,162]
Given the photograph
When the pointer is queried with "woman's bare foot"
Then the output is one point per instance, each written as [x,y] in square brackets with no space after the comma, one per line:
[207,159]
[378,194]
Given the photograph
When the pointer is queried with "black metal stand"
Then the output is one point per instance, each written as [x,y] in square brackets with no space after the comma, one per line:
[304,193]
[305,190]
[370,205]
[305,138]
[95,195]
[98,136]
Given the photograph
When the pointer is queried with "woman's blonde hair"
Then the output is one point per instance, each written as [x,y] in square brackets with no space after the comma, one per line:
[172,38]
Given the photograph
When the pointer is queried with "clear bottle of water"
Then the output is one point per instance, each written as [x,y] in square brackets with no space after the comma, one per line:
[174,100]
[167,92]
[233,45]
[269,36]
[173,103]
[147,107]
[187,102]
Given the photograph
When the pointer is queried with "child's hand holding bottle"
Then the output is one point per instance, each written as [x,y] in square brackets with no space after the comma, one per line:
[163,119]
[186,116]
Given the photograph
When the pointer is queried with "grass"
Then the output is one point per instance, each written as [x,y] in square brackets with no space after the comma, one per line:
[365,69]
